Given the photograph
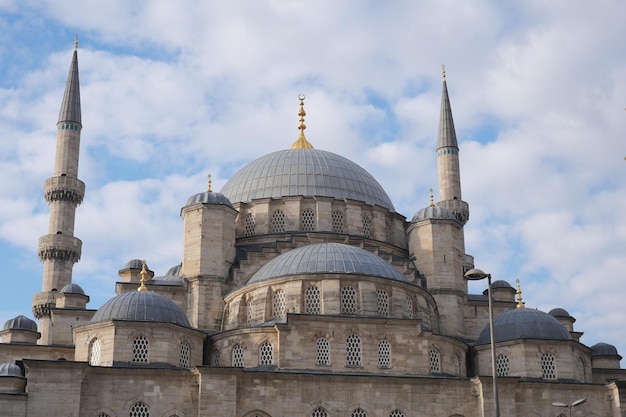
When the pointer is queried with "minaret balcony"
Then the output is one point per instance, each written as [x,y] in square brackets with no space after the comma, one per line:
[64,188]
[42,303]
[60,248]
[459,207]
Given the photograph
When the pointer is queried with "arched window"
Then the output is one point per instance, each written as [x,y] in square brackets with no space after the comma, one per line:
[216,358]
[319,412]
[382,302]
[278,221]
[367,226]
[409,307]
[435,360]
[249,225]
[183,361]
[358,413]
[237,359]
[384,354]
[139,409]
[278,305]
[396,413]
[349,303]
[337,221]
[503,367]
[141,347]
[548,370]
[581,370]
[312,301]
[307,221]
[266,354]
[457,365]
[387,232]
[95,349]
[322,352]
[353,350]
[249,311]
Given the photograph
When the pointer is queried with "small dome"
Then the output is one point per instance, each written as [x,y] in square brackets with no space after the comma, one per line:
[72,289]
[524,323]
[134,264]
[10,369]
[210,198]
[603,349]
[500,284]
[433,212]
[327,258]
[559,312]
[174,271]
[141,306]
[20,323]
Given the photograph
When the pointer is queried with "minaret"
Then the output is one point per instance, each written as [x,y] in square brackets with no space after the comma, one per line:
[59,249]
[448,161]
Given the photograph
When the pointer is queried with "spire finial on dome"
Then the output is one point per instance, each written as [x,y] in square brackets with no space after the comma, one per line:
[208,190]
[76,43]
[443,71]
[143,287]
[432,198]
[520,303]
[301,143]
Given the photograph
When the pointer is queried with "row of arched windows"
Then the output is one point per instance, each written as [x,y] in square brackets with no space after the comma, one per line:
[140,352]
[308,223]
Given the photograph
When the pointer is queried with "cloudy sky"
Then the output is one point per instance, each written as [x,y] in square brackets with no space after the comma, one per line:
[173,91]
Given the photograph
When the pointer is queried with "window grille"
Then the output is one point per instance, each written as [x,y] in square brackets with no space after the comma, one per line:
[457,365]
[382,299]
[337,221]
[184,355]
[312,301]
[249,225]
[387,232]
[140,349]
[503,367]
[358,413]
[548,369]
[396,413]
[266,354]
[349,304]
[250,311]
[278,221]
[238,356]
[409,307]
[216,358]
[307,222]
[95,352]
[322,352]
[581,370]
[435,360]
[384,354]
[139,410]
[278,306]
[367,226]
[353,350]
[103,415]
[319,412]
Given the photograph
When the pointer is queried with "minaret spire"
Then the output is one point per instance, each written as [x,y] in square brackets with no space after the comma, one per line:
[59,249]
[448,160]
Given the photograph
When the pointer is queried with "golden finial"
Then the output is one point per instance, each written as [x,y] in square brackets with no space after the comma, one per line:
[76,43]
[144,272]
[432,199]
[443,71]
[301,143]
[520,303]
[208,190]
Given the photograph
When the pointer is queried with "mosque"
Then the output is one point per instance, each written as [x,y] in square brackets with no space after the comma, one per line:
[301,292]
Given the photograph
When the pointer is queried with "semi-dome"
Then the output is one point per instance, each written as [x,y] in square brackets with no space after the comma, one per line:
[174,271]
[305,172]
[10,369]
[327,258]
[603,349]
[141,306]
[72,289]
[524,323]
[20,323]
[433,212]
[209,198]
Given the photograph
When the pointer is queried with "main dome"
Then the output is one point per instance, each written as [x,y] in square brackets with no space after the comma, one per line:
[306,172]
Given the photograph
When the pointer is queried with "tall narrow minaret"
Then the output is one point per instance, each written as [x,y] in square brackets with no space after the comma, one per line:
[448,161]
[59,249]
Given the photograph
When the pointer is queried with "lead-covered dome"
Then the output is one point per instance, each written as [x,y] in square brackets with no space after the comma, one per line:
[20,323]
[10,369]
[434,213]
[141,306]
[524,323]
[210,198]
[327,258]
[305,172]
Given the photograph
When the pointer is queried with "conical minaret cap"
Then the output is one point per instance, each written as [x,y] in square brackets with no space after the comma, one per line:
[447,134]
[70,108]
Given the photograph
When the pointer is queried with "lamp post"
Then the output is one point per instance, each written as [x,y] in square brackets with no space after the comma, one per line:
[476,275]
[570,406]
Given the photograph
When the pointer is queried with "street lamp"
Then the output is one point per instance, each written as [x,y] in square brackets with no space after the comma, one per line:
[476,275]
[570,406]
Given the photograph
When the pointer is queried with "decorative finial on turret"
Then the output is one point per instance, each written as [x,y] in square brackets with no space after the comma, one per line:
[301,143]
[443,71]
[144,272]
[520,303]
[432,198]
[76,43]
[208,189]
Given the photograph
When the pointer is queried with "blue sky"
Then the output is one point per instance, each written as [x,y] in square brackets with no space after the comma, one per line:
[173,91]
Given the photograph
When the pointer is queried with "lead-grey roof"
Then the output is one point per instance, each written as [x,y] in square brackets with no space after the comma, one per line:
[524,323]
[10,369]
[70,107]
[20,323]
[327,258]
[72,288]
[433,212]
[209,198]
[141,306]
[603,349]
[305,172]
